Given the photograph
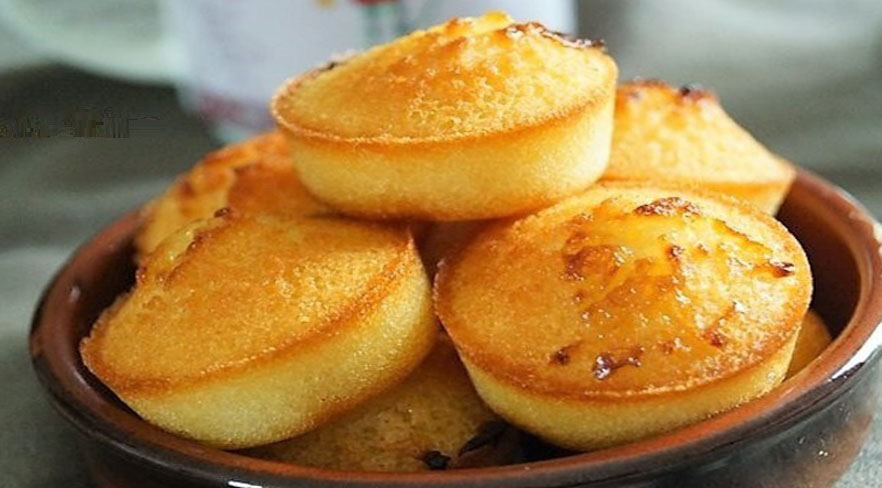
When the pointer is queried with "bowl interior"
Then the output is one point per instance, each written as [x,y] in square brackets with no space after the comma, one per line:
[835,272]
[836,233]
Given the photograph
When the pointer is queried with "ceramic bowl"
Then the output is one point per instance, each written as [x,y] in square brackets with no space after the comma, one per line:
[806,433]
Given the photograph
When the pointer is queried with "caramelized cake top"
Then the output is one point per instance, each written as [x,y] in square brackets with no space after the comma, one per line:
[467,77]
[625,290]
[684,135]
[253,176]
[235,289]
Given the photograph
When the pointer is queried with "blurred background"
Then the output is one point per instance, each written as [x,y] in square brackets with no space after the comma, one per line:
[102,102]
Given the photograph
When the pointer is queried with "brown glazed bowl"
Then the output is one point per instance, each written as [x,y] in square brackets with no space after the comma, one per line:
[806,433]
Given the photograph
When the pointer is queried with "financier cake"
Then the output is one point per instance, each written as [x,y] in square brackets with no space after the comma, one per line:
[813,338]
[254,176]
[684,136]
[475,118]
[244,330]
[433,420]
[625,312]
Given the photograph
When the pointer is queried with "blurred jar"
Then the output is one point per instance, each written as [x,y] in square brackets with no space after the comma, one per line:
[227,57]
[234,54]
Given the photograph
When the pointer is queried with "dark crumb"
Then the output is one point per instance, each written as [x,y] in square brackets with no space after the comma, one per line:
[606,364]
[562,355]
[675,251]
[671,346]
[330,65]
[690,89]
[600,259]
[603,366]
[694,92]
[435,460]
[196,242]
[488,434]
[738,307]
[782,269]
[714,337]
[515,31]
[573,264]
[223,212]
[597,43]
[667,347]
[668,207]
[581,218]
[573,41]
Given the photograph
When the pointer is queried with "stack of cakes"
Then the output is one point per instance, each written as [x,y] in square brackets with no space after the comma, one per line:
[608,266]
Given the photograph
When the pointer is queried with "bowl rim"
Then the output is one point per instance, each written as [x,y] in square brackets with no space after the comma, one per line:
[858,346]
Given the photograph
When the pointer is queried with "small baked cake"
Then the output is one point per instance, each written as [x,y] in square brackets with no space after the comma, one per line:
[624,312]
[475,118]
[244,330]
[254,176]
[433,420]
[665,134]
[813,338]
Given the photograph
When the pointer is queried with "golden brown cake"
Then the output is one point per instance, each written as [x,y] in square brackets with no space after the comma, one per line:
[813,338]
[684,136]
[475,118]
[254,176]
[242,330]
[626,311]
[424,423]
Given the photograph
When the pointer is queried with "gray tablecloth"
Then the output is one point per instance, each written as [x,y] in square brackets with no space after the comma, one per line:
[58,191]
